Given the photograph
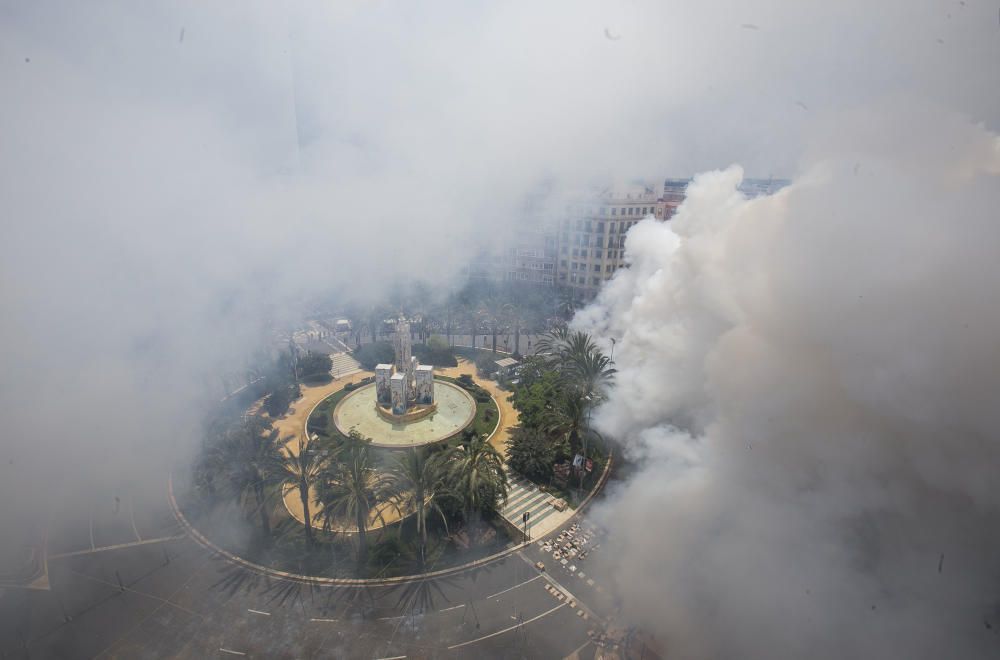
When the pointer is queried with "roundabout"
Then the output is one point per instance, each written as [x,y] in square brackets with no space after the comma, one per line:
[394,476]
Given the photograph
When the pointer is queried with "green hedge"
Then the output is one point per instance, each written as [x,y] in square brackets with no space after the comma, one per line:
[439,356]
[379,352]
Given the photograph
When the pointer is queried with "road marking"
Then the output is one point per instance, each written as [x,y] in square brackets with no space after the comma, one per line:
[561,592]
[231,652]
[500,632]
[395,657]
[92,532]
[204,563]
[325,620]
[453,607]
[105,548]
[514,587]
[259,612]
[131,515]
[164,601]
[390,618]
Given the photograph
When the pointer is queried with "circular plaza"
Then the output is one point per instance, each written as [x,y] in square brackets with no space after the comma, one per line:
[358,411]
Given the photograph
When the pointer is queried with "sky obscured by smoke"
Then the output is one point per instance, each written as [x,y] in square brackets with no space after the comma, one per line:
[808,383]
[177,179]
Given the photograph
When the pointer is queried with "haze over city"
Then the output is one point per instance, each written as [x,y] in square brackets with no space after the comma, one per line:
[709,291]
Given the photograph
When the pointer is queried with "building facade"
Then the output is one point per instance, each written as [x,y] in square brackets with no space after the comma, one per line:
[591,240]
[530,258]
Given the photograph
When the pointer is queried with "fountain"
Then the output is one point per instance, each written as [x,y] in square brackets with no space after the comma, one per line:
[405,406]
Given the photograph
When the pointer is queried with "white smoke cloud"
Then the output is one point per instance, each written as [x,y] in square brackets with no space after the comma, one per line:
[177,179]
[809,382]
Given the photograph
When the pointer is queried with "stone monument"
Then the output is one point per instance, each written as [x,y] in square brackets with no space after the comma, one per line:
[404,390]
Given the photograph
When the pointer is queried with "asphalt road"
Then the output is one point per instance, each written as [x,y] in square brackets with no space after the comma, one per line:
[127,583]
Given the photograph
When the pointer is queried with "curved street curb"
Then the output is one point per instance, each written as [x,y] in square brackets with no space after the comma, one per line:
[202,540]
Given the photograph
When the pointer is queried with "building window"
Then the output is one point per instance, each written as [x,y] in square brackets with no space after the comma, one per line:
[603,212]
[596,281]
[614,211]
[562,264]
[597,268]
[600,227]
[598,254]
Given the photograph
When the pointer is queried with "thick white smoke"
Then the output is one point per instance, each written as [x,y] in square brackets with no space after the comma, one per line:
[809,383]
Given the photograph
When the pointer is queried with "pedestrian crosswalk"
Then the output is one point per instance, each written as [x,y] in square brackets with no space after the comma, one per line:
[525,497]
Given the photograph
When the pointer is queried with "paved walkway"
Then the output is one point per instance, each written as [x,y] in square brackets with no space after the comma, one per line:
[508,414]
[293,425]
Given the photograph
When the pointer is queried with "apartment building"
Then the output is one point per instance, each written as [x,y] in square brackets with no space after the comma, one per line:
[591,239]
[529,258]
[675,189]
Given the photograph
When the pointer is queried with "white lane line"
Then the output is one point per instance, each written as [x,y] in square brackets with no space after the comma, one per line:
[325,620]
[395,657]
[164,601]
[515,586]
[92,547]
[500,632]
[105,548]
[131,515]
[453,607]
[390,618]
[231,652]
[259,612]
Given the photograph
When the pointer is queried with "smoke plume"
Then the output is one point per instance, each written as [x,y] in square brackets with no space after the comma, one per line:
[808,382]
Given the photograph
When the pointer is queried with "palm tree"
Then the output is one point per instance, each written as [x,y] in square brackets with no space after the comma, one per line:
[477,476]
[416,474]
[515,311]
[590,370]
[243,456]
[553,341]
[302,470]
[375,317]
[569,421]
[494,310]
[566,304]
[350,488]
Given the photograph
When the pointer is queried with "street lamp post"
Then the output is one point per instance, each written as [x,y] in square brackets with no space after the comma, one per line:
[583,465]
